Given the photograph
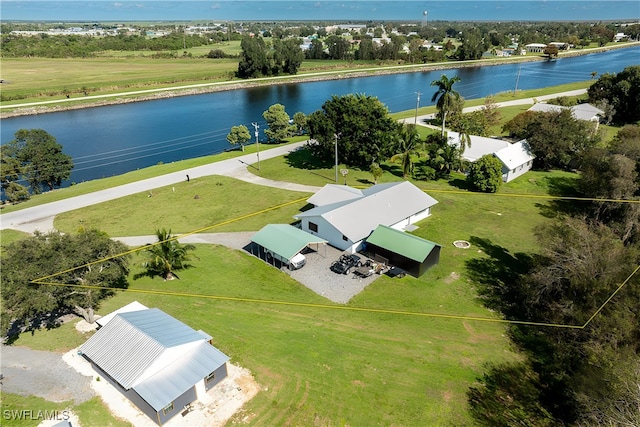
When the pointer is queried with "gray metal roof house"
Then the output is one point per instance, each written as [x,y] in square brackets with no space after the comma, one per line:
[159,363]
[345,218]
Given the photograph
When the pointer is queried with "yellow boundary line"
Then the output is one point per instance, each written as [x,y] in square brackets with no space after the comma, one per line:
[42,280]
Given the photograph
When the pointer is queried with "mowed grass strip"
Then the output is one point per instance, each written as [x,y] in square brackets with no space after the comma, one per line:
[187,206]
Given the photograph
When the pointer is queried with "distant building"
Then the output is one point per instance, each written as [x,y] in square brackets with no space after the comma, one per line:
[535,47]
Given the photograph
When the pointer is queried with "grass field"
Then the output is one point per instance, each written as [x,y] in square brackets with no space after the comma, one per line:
[324,366]
[320,363]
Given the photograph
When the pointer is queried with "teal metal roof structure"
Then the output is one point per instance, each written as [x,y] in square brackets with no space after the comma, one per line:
[405,244]
[284,239]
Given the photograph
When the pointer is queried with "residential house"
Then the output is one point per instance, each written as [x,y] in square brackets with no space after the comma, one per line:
[159,363]
[478,147]
[586,112]
[345,216]
[516,159]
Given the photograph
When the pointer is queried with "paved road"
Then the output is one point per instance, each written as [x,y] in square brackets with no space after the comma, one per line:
[422,120]
[41,217]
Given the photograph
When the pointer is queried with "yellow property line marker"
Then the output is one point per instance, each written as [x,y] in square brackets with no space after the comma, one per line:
[42,280]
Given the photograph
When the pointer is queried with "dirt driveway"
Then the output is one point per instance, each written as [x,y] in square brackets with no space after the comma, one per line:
[44,374]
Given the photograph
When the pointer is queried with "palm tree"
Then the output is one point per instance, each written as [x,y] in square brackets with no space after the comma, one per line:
[165,257]
[407,141]
[444,95]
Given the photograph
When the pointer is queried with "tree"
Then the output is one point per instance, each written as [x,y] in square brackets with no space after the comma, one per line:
[165,257]
[485,174]
[406,147]
[473,45]
[35,156]
[239,135]
[581,265]
[300,122]
[376,172]
[288,56]
[253,58]
[361,125]
[551,51]
[622,91]
[316,50]
[88,259]
[556,138]
[338,47]
[444,96]
[278,124]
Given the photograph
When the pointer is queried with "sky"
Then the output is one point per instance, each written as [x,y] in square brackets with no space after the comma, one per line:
[335,10]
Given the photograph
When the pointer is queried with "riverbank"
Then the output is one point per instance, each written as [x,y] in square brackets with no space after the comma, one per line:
[43,107]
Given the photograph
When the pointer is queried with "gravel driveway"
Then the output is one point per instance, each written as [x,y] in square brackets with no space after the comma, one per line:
[315,275]
[44,374]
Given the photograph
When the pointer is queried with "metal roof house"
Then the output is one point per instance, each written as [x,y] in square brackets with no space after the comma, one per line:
[159,363]
[411,253]
[516,159]
[346,221]
[479,146]
[586,112]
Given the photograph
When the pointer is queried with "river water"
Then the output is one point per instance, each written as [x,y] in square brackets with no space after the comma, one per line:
[111,140]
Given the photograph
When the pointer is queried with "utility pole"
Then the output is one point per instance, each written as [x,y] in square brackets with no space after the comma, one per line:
[336,150]
[517,80]
[415,122]
[256,126]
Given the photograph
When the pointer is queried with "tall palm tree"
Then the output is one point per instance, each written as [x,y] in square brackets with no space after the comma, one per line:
[406,146]
[444,95]
[165,257]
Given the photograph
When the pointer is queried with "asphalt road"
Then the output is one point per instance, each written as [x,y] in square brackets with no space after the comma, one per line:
[41,217]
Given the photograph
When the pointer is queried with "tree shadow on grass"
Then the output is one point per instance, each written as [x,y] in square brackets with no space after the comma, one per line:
[393,170]
[303,158]
[497,276]
[562,186]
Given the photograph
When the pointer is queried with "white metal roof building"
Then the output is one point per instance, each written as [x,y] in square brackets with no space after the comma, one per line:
[346,223]
[585,112]
[160,363]
[516,160]
[479,146]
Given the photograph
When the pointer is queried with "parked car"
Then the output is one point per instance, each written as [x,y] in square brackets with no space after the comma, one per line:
[345,263]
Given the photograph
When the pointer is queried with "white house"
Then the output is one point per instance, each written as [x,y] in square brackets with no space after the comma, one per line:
[345,216]
[586,112]
[159,363]
[516,159]
[535,47]
[479,146]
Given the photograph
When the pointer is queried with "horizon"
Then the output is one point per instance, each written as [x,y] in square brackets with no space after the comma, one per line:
[324,10]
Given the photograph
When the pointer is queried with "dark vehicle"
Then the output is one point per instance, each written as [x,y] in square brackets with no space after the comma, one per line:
[345,263]
[396,272]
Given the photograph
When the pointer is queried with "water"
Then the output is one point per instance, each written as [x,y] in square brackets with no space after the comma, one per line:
[111,140]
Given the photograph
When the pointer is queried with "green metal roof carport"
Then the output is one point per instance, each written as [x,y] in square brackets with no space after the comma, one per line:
[284,239]
[411,253]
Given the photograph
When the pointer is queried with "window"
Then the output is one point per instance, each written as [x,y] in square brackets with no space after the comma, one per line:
[210,377]
[313,227]
[167,409]
[345,238]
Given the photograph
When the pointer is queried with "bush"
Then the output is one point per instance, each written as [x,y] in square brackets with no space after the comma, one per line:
[485,174]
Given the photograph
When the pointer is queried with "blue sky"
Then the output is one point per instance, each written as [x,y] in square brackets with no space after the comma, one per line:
[341,10]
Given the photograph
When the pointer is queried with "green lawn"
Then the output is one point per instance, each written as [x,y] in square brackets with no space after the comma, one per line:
[28,411]
[327,366]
